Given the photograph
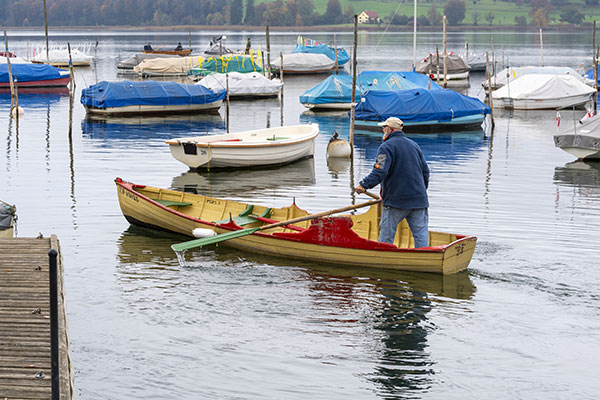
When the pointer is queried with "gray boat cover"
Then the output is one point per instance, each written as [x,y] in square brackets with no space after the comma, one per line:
[430,64]
[583,134]
[7,214]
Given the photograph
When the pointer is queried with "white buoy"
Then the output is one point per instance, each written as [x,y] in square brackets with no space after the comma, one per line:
[338,148]
[203,233]
[13,112]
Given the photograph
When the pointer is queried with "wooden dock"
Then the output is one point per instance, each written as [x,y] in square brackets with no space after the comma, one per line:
[25,367]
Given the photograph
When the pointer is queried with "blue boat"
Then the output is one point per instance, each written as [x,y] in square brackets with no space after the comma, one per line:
[128,98]
[421,110]
[342,54]
[335,92]
[34,76]
[590,75]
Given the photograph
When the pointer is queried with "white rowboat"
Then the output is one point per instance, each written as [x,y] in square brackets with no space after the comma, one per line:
[246,149]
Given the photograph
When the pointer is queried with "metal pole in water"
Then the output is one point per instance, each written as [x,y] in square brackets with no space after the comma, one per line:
[487,67]
[595,68]
[53,255]
[227,99]
[445,57]
[268,49]
[46,29]
[542,47]
[353,106]
[10,79]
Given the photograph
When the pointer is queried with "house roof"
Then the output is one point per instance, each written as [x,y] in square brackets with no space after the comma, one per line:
[371,14]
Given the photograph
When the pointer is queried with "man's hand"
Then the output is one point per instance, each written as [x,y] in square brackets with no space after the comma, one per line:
[359,189]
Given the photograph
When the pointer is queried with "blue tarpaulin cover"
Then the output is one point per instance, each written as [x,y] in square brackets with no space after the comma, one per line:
[343,56]
[334,89]
[29,72]
[338,88]
[590,74]
[126,93]
[418,105]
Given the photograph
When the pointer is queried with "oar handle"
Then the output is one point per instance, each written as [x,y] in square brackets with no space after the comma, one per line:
[373,195]
[321,214]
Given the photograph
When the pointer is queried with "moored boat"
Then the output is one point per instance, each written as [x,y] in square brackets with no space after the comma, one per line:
[269,146]
[304,63]
[348,240]
[582,139]
[129,63]
[34,76]
[421,110]
[243,86]
[542,91]
[433,66]
[509,74]
[61,58]
[182,52]
[149,97]
[167,66]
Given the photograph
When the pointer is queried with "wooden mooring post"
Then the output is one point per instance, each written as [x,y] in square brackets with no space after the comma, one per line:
[34,345]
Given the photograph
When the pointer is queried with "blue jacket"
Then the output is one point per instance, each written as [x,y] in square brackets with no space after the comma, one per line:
[402,171]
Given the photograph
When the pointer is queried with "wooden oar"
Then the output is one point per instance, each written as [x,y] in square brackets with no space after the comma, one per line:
[249,231]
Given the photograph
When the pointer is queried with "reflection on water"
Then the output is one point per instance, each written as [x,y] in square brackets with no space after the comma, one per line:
[135,128]
[34,97]
[391,306]
[229,183]
[579,174]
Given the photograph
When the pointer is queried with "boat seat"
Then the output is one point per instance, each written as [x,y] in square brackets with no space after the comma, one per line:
[246,217]
[168,203]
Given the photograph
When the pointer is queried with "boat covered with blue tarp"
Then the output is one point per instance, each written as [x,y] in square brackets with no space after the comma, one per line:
[342,54]
[34,75]
[590,75]
[421,109]
[335,92]
[127,97]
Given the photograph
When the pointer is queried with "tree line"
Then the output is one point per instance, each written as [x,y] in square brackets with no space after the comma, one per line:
[246,12]
[168,12]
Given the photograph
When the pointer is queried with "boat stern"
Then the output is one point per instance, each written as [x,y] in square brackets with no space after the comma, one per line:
[458,255]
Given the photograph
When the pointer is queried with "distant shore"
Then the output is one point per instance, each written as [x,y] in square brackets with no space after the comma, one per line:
[315,28]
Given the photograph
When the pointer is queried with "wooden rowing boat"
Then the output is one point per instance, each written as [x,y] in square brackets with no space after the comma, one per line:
[349,239]
[271,146]
[182,53]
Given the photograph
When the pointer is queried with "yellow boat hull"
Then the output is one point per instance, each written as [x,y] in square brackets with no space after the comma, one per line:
[182,212]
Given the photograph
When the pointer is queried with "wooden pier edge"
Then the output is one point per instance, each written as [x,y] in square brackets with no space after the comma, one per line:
[65,365]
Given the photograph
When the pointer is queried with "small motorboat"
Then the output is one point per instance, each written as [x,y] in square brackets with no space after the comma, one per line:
[306,46]
[433,66]
[129,63]
[509,74]
[348,240]
[60,58]
[181,53]
[126,98]
[421,110]
[304,63]
[34,76]
[243,86]
[582,139]
[269,146]
[8,215]
[216,47]
[167,66]
[542,92]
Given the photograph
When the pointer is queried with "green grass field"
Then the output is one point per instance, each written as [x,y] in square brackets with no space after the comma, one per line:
[504,12]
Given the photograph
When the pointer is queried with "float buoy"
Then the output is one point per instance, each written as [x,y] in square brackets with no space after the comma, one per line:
[337,147]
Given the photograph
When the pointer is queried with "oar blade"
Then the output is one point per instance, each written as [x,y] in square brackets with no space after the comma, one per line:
[213,239]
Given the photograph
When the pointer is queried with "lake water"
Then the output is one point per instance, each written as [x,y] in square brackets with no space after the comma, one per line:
[522,323]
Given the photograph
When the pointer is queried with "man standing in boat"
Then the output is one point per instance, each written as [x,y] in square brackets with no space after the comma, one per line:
[401,170]
[148,47]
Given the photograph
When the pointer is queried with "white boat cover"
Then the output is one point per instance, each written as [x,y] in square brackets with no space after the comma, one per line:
[62,56]
[543,87]
[247,84]
[167,66]
[511,73]
[304,62]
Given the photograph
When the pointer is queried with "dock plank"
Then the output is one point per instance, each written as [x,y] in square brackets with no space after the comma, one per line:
[25,321]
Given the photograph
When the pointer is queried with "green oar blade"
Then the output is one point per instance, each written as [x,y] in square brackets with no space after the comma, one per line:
[213,239]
